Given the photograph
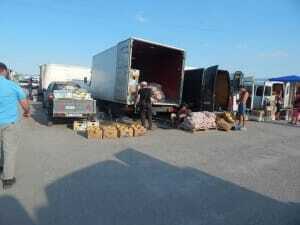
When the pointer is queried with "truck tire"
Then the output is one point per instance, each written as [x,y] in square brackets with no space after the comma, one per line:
[49,123]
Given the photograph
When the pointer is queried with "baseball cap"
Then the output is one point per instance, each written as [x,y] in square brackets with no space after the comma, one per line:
[3,66]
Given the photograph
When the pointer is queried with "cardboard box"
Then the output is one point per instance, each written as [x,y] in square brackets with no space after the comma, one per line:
[109,132]
[125,132]
[93,124]
[80,126]
[138,130]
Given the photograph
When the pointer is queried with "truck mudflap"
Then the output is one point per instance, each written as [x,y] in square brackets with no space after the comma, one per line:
[73,108]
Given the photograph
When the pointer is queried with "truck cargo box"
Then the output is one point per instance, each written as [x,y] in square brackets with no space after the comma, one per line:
[133,61]
[206,89]
[60,73]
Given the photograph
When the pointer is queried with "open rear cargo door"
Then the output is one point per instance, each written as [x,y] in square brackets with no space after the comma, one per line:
[287,90]
[208,88]
[192,87]
[123,65]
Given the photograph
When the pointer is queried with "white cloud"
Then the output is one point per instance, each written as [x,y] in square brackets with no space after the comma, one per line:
[276,54]
[140,17]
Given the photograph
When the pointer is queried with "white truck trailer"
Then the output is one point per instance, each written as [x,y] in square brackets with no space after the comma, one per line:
[62,73]
[116,71]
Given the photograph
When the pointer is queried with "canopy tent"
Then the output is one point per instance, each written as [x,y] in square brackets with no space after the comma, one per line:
[291,79]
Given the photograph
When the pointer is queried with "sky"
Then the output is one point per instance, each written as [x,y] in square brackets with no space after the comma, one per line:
[259,37]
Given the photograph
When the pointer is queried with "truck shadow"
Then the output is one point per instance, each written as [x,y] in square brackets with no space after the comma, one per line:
[138,189]
[13,213]
[39,115]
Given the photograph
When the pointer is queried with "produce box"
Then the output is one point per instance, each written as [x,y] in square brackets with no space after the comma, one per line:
[125,132]
[94,133]
[93,124]
[109,132]
[138,130]
[80,125]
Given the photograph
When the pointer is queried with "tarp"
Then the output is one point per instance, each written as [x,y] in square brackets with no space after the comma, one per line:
[291,79]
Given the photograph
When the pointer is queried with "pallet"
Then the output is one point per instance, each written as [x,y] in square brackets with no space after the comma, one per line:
[198,130]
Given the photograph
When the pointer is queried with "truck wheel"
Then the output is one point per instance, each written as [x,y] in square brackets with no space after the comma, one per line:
[49,123]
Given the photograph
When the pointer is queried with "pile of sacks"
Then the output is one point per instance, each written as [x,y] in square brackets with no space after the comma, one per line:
[158,94]
[199,121]
[225,121]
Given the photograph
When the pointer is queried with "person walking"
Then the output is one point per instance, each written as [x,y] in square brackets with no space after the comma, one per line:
[278,103]
[296,108]
[144,102]
[244,95]
[11,95]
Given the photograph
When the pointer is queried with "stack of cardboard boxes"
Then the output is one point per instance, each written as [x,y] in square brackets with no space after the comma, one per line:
[96,130]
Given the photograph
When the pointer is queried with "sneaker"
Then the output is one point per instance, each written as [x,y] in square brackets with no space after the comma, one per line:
[8,183]
[237,127]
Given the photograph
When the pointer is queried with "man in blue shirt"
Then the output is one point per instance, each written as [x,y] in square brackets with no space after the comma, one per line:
[11,95]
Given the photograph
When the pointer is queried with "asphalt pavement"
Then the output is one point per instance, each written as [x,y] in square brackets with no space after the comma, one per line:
[168,177]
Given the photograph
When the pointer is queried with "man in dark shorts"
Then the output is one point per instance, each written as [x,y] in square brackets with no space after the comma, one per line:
[244,95]
[145,104]
[278,102]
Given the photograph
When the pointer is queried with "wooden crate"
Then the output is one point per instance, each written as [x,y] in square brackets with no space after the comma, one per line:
[94,133]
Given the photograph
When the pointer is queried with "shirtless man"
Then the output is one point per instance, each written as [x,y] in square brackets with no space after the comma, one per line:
[244,95]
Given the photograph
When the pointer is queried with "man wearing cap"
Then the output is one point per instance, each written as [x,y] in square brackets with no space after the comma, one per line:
[11,95]
[145,104]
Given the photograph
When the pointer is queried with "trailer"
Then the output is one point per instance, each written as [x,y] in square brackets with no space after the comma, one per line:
[207,89]
[117,71]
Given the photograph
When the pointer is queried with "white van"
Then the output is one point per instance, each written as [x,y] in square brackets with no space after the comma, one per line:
[264,90]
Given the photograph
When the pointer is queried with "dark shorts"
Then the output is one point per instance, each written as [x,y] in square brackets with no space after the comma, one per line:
[242,109]
[278,108]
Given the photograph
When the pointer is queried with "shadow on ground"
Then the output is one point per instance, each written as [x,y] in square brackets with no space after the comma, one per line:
[39,115]
[138,189]
[282,123]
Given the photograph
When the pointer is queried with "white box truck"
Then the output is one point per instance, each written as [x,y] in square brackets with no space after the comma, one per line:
[61,73]
[116,70]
